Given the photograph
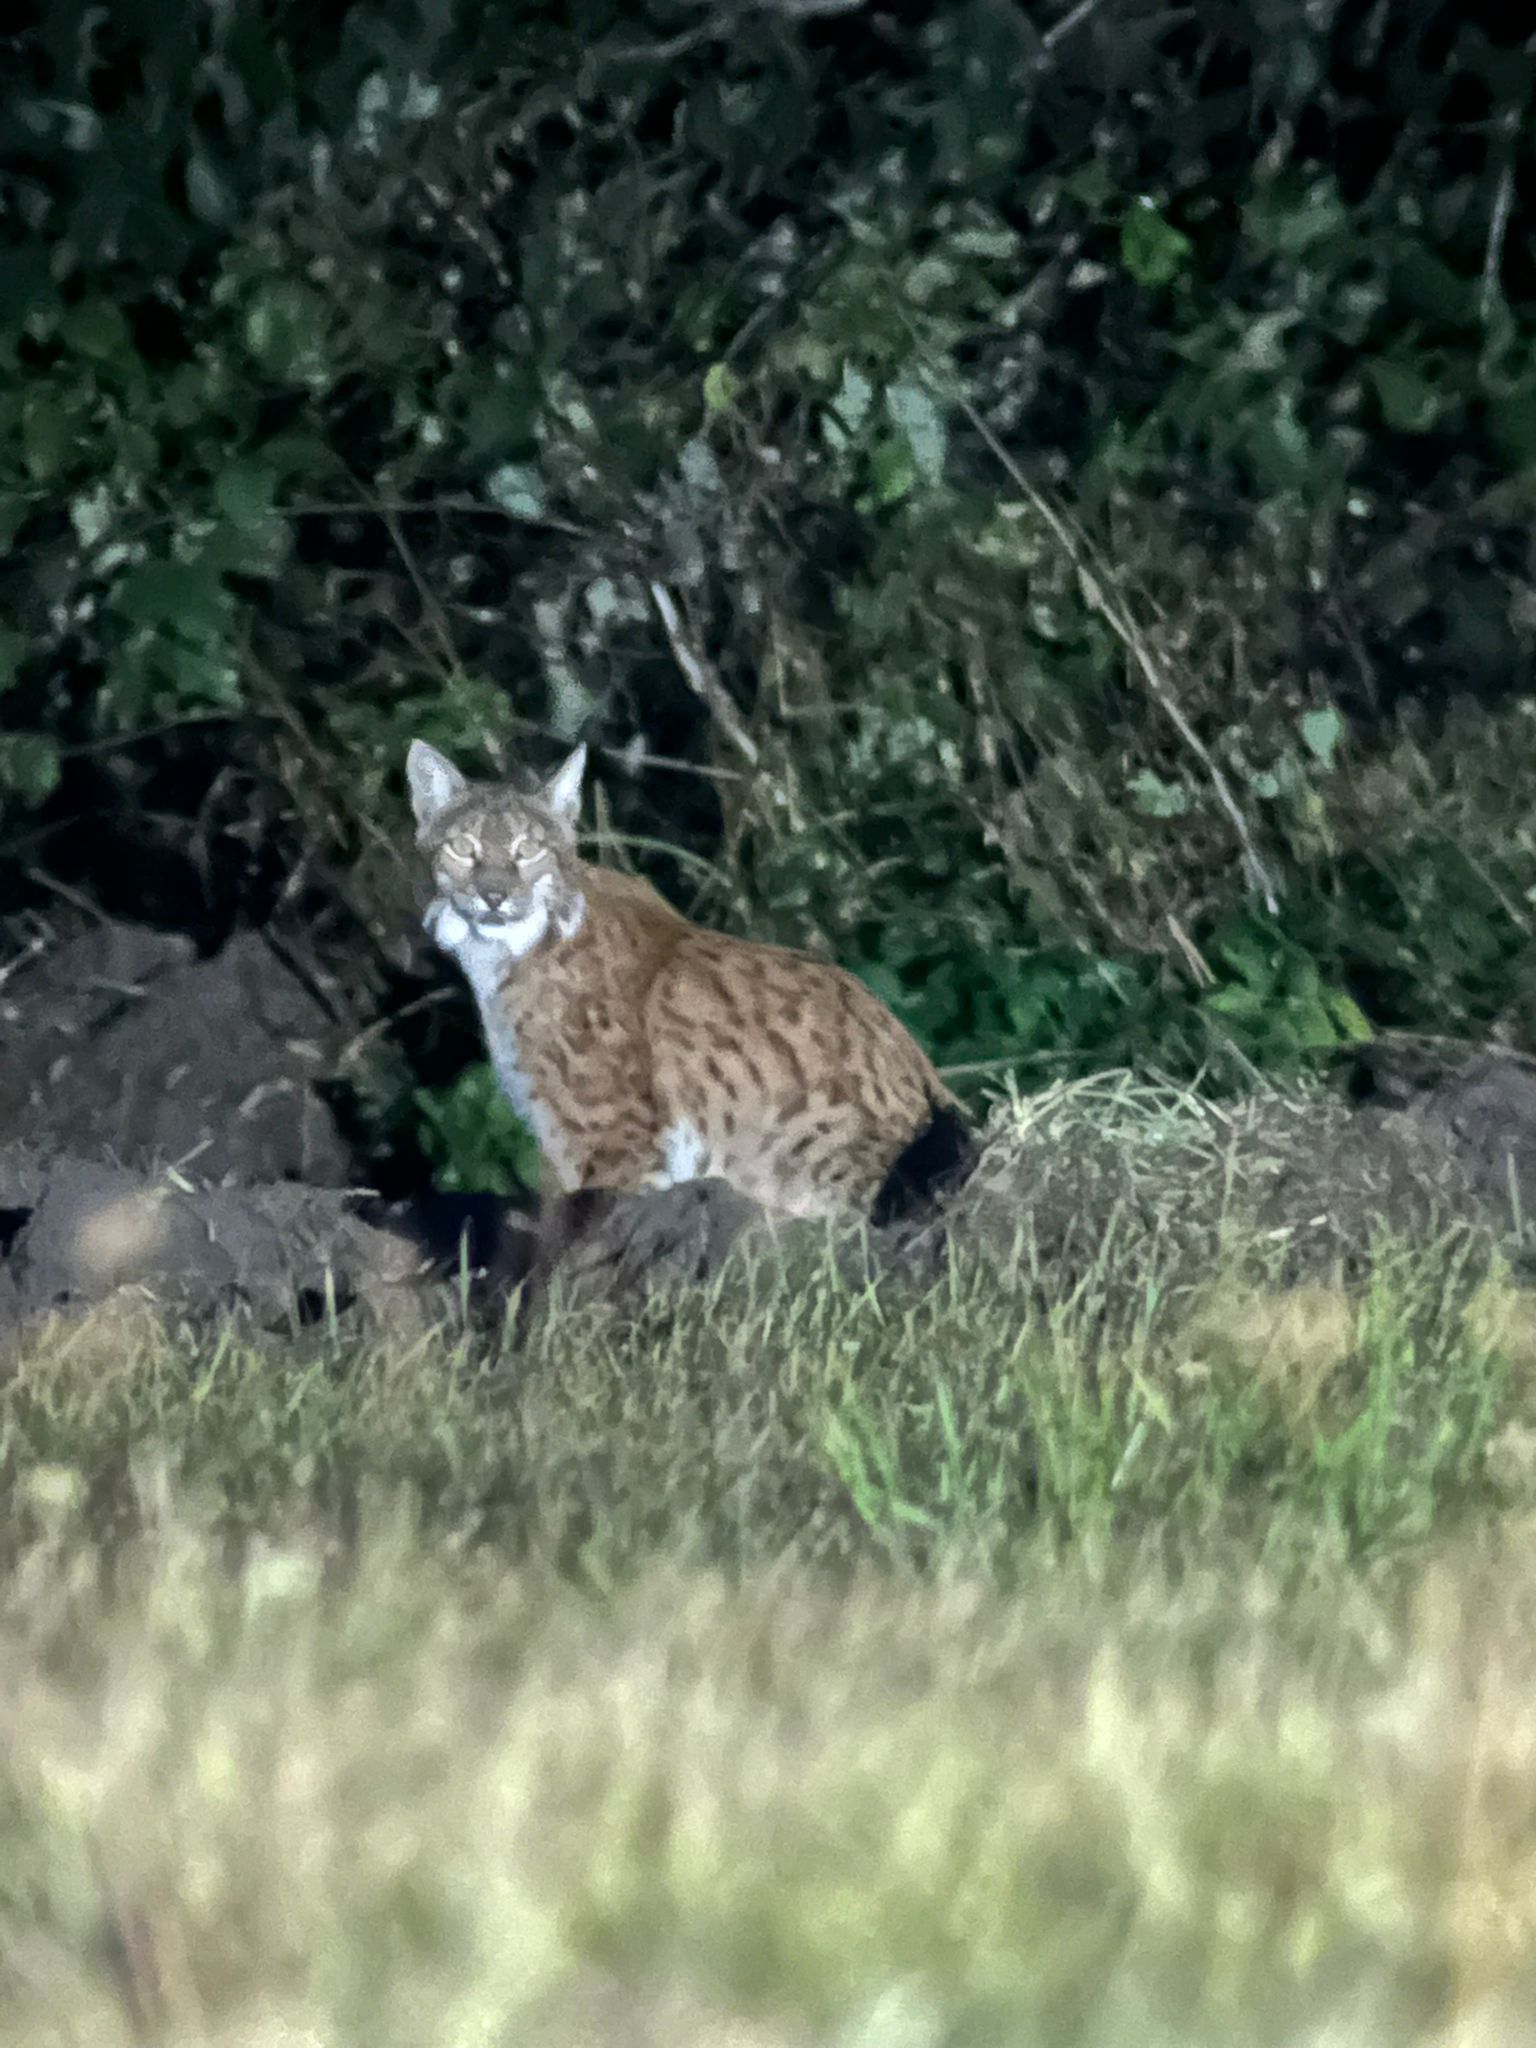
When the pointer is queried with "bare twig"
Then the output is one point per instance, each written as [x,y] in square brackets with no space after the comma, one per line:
[379,1027]
[1073,18]
[700,675]
[665,52]
[432,611]
[71,896]
[1099,591]
[607,839]
[31,947]
[378,508]
[683,855]
[1194,959]
[632,758]
[1498,220]
[1005,1065]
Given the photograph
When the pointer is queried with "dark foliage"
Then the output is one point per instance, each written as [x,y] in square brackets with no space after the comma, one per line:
[1035,501]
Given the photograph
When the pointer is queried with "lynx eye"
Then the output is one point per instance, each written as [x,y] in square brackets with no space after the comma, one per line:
[463,846]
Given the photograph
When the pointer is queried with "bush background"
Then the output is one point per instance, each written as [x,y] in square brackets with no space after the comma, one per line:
[1034,502]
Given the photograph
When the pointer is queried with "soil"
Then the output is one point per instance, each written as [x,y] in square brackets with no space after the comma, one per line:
[120,1037]
[165,1127]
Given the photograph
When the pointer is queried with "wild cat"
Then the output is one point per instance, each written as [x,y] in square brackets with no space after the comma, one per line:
[644,1050]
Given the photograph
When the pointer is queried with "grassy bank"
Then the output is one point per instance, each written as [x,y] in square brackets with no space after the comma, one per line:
[1121,1651]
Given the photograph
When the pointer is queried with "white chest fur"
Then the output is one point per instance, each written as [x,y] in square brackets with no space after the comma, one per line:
[684,1155]
[486,953]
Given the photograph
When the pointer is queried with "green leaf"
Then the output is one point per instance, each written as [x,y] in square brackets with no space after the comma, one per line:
[189,596]
[721,386]
[853,398]
[1425,285]
[1090,185]
[29,765]
[47,437]
[13,647]
[244,492]
[1250,957]
[1155,798]
[986,242]
[473,1137]
[291,456]
[1409,402]
[135,449]
[207,194]
[1350,1020]
[285,328]
[498,419]
[892,471]
[1287,219]
[928,278]
[1311,1027]
[1237,1001]
[90,514]
[204,675]
[911,408]
[517,488]
[1152,250]
[1322,731]
[97,330]
[700,470]
[1511,424]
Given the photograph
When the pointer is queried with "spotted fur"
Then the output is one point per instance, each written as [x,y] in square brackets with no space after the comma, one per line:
[644,1050]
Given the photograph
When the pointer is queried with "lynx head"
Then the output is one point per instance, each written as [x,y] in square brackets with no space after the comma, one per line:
[503,862]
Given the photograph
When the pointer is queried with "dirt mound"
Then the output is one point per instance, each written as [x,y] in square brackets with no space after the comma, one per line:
[1118,1176]
[1300,1182]
[121,1039]
[79,1228]
[163,1125]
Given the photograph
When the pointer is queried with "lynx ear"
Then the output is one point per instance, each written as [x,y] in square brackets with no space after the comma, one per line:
[433,779]
[562,792]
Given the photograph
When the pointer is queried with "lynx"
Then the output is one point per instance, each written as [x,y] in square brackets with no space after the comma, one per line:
[644,1050]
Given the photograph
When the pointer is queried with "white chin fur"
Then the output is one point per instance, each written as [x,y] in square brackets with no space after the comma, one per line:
[477,944]
[444,926]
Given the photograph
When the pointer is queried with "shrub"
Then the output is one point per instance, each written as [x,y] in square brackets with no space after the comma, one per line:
[717,385]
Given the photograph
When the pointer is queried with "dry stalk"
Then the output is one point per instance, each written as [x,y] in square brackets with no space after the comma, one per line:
[700,675]
[1098,588]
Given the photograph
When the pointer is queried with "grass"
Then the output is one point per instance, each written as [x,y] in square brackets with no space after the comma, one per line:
[1141,1653]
